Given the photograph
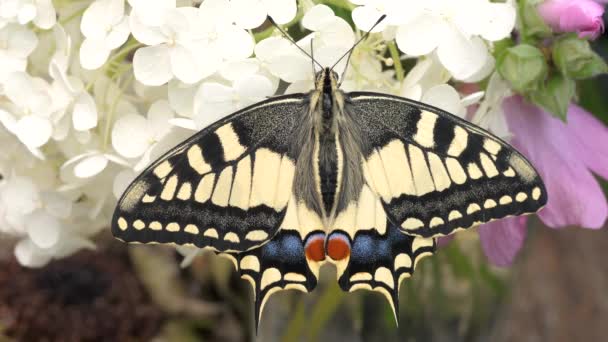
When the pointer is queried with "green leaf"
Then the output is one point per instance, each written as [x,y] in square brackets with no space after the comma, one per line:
[460,263]
[533,26]
[523,66]
[555,96]
[575,58]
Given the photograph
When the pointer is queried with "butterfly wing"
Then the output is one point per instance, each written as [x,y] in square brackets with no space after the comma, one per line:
[227,187]
[436,173]
[280,264]
[380,260]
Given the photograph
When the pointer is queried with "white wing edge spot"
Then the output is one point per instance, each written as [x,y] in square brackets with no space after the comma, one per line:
[536,193]
[173,227]
[191,228]
[232,237]
[256,235]
[139,224]
[122,223]
[211,233]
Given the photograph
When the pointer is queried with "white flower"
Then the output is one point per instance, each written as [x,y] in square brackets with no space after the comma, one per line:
[252,13]
[79,169]
[190,44]
[69,93]
[455,30]
[41,12]
[331,38]
[214,100]
[490,114]
[105,28]
[28,114]
[369,11]
[426,82]
[134,135]
[39,218]
[16,44]
[151,13]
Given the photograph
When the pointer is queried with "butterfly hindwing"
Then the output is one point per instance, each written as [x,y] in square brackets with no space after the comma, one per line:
[280,264]
[381,261]
[436,173]
[227,187]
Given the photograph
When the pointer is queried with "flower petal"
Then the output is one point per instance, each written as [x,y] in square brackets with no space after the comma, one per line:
[28,254]
[575,197]
[444,96]
[592,135]
[122,181]
[501,240]
[281,11]
[90,166]
[421,35]
[34,131]
[317,17]
[84,116]
[159,114]
[43,229]
[131,136]
[248,14]
[152,65]
[463,57]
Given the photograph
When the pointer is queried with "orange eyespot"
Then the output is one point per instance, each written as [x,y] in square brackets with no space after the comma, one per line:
[338,247]
[314,247]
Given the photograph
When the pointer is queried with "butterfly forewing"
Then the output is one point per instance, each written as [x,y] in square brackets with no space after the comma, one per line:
[435,172]
[227,187]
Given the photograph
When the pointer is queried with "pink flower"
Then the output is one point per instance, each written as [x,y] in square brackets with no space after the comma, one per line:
[567,156]
[582,16]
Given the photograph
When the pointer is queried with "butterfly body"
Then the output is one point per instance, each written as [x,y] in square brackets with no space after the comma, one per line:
[363,180]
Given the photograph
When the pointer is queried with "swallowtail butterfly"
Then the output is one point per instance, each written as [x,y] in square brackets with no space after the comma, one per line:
[363,180]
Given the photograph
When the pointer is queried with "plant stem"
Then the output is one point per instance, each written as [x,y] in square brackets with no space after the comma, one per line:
[396,56]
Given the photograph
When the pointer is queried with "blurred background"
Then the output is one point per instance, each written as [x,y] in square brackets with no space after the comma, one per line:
[555,291]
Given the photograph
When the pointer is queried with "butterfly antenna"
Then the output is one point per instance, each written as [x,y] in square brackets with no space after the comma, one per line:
[350,51]
[294,43]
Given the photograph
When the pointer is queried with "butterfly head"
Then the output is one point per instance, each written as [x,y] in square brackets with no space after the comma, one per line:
[326,80]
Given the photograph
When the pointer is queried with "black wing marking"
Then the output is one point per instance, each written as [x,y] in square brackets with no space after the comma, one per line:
[227,187]
[437,173]
[280,264]
[380,262]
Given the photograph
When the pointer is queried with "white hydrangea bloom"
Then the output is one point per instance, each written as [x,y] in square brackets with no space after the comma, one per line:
[27,114]
[454,30]
[16,44]
[135,136]
[214,100]
[40,12]
[189,44]
[105,28]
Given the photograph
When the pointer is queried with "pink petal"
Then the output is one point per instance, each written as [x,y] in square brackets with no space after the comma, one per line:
[592,136]
[583,16]
[575,197]
[501,240]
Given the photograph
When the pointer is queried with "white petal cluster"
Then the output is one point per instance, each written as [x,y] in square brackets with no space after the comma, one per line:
[91,92]
[459,33]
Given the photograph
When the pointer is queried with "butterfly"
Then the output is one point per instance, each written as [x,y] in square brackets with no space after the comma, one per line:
[363,180]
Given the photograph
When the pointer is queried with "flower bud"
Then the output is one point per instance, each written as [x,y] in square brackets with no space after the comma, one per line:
[555,95]
[575,58]
[581,16]
[523,66]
